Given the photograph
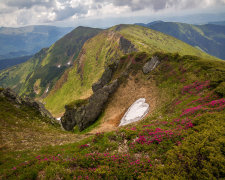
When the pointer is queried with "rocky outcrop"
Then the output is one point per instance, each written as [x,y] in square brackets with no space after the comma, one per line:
[106,77]
[126,46]
[68,120]
[151,65]
[38,106]
[12,96]
[86,114]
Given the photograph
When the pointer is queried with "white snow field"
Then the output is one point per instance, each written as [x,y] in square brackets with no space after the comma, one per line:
[137,111]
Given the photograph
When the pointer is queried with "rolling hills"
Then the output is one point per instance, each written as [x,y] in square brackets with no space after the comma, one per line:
[210,38]
[23,41]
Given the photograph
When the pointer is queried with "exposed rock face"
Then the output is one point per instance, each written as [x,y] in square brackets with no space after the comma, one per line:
[12,96]
[38,106]
[151,65]
[136,112]
[126,46]
[68,120]
[106,77]
[87,114]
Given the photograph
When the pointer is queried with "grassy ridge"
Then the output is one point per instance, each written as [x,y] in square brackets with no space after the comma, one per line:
[151,41]
[104,49]
[16,76]
[51,65]
[88,69]
[182,139]
[209,38]
[59,58]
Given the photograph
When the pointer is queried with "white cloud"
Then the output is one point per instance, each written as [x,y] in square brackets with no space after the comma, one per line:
[25,12]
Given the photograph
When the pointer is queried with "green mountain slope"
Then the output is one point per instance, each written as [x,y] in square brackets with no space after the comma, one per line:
[16,76]
[181,138]
[37,76]
[209,38]
[104,49]
[24,127]
[17,42]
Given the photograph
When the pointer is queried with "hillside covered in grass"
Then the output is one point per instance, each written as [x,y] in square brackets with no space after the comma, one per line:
[37,76]
[24,127]
[181,138]
[103,49]
[210,38]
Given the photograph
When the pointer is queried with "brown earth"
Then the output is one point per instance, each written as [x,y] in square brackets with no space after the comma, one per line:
[135,88]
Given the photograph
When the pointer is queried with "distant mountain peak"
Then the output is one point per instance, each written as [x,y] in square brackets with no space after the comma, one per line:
[155,22]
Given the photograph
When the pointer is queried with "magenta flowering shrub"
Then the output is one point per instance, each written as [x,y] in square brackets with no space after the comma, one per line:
[97,137]
[213,106]
[195,87]
[133,128]
[158,135]
[216,103]
[107,164]
[205,99]
[98,165]
[174,131]
[84,146]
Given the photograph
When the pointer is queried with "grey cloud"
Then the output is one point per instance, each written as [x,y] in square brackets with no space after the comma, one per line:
[39,11]
[96,6]
[158,4]
[69,11]
[21,4]
[141,4]
[6,10]
[50,5]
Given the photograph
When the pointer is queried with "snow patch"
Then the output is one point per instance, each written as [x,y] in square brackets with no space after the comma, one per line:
[137,111]
[59,118]
[59,66]
[68,63]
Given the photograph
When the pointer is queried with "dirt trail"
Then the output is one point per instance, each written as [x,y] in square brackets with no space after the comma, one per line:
[123,98]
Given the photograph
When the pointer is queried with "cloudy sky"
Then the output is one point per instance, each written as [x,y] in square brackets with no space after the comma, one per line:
[99,12]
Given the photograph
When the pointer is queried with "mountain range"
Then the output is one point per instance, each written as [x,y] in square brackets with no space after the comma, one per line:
[92,79]
[67,69]
[210,38]
[28,40]
[222,23]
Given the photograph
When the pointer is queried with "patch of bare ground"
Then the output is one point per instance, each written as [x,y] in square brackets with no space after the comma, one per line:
[136,87]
